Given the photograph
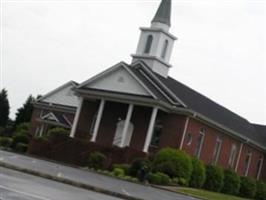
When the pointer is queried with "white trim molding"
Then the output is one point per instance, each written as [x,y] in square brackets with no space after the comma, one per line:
[98,121]
[150,130]
[76,119]
[127,122]
[184,133]
[238,157]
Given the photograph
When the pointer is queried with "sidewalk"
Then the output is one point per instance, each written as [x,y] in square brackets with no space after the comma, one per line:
[85,179]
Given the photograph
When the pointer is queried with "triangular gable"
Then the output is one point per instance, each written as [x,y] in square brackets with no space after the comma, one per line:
[50,117]
[118,79]
[62,95]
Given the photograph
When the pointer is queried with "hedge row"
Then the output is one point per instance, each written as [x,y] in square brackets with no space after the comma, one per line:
[170,166]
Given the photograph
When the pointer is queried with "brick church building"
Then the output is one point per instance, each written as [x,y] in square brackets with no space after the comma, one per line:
[138,106]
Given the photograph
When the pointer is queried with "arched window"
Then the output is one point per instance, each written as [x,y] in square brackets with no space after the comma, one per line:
[165,47]
[148,44]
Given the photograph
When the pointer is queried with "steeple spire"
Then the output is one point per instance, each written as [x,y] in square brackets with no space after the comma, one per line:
[156,43]
[163,14]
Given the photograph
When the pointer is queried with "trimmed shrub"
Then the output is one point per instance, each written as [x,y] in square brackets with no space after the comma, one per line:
[174,163]
[158,178]
[119,172]
[231,182]
[58,131]
[139,164]
[96,160]
[260,191]
[125,167]
[19,138]
[6,142]
[180,182]
[247,187]
[198,175]
[21,147]
[214,178]
[23,128]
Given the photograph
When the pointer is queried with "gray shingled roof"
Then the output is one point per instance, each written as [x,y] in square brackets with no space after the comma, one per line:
[163,14]
[213,110]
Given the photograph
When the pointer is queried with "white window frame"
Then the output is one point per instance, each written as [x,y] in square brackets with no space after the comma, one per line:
[248,165]
[260,167]
[217,150]
[232,156]
[202,133]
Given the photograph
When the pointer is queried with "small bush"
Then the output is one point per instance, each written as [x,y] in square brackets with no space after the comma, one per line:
[174,163]
[158,178]
[21,147]
[180,182]
[231,182]
[58,131]
[198,175]
[247,187]
[96,160]
[139,164]
[119,172]
[260,191]
[214,178]
[6,142]
[125,167]
[23,127]
[19,138]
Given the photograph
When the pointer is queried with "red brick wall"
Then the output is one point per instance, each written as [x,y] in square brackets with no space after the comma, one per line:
[36,116]
[253,164]
[211,135]
[89,108]
[263,172]
[140,119]
[173,127]
[34,123]
[112,113]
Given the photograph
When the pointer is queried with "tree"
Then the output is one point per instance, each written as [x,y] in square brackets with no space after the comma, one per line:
[24,113]
[4,108]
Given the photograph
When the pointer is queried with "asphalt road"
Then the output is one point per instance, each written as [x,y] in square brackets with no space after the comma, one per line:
[97,180]
[19,186]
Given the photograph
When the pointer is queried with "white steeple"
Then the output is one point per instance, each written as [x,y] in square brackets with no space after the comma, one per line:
[156,43]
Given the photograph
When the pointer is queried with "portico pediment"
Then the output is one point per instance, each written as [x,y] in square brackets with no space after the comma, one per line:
[118,79]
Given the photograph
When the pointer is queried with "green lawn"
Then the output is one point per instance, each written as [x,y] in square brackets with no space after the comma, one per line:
[203,194]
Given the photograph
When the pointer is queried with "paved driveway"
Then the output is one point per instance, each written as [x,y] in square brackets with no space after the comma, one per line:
[15,185]
[97,180]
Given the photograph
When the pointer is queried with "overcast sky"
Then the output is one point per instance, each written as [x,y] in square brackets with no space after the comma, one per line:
[220,52]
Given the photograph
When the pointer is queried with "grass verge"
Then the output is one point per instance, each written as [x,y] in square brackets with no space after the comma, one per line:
[203,194]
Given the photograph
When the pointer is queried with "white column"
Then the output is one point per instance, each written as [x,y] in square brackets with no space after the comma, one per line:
[184,133]
[125,129]
[98,121]
[76,119]
[238,157]
[150,129]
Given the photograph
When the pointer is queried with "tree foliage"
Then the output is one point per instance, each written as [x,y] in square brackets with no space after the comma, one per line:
[24,113]
[4,108]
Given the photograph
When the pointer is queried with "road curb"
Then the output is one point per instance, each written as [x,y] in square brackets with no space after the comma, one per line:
[69,182]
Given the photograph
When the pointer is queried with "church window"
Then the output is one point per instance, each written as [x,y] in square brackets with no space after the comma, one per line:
[259,167]
[247,163]
[217,150]
[165,47]
[189,139]
[232,156]
[148,44]
[200,142]
[157,133]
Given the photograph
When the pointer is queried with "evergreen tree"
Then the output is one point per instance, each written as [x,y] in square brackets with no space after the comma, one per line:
[4,108]
[24,113]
